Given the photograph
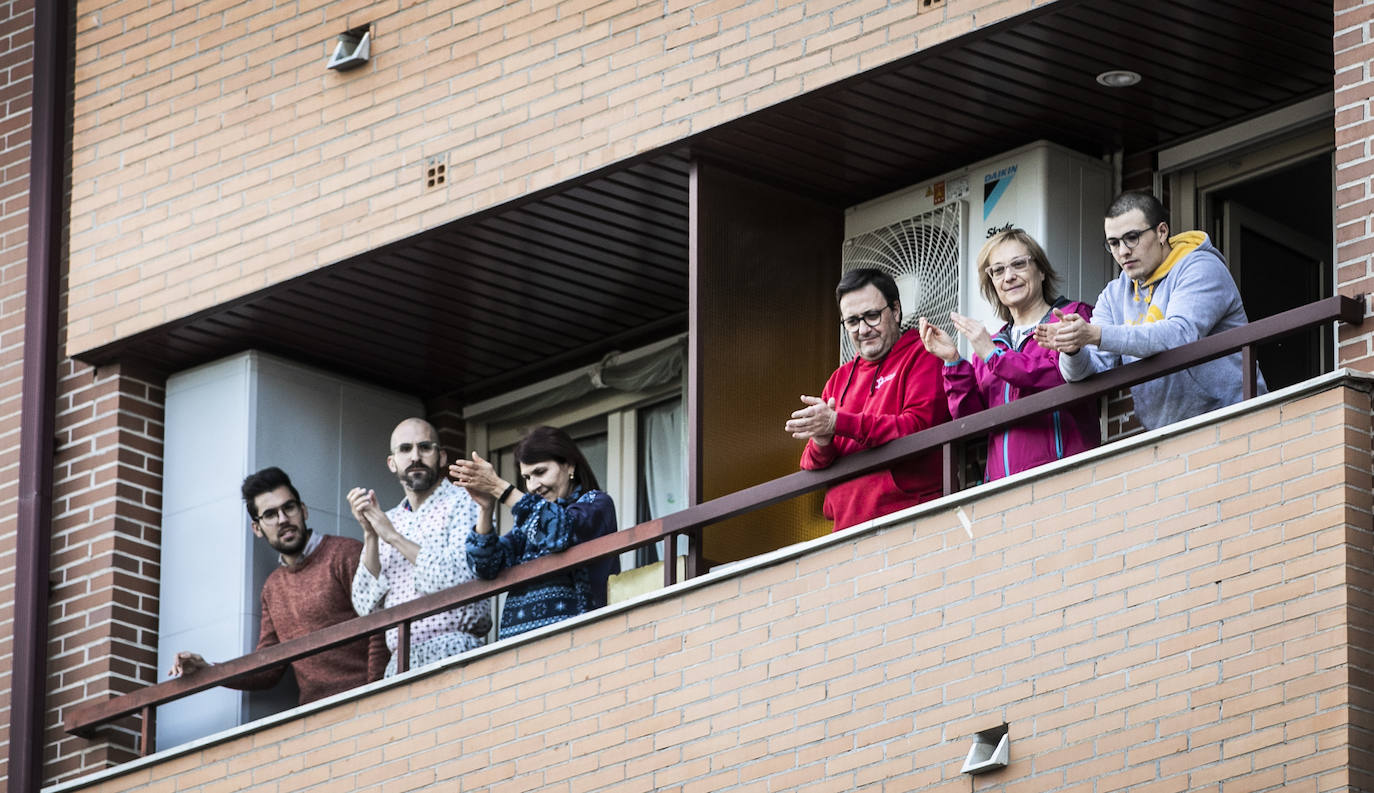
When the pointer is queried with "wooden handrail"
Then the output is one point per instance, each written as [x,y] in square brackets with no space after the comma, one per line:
[84,718]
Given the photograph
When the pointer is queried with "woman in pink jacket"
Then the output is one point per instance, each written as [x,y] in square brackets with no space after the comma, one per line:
[1016,276]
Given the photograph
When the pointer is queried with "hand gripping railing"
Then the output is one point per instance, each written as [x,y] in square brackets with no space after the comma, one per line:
[83,719]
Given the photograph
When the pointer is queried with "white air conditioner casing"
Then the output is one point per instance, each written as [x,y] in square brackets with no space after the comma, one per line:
[1054,194]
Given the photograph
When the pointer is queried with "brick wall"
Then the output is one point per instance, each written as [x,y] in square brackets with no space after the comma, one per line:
[447,417]
[103,610]
[16,88]
[214,154]
[1182,615]
[105,554]
[1354,180]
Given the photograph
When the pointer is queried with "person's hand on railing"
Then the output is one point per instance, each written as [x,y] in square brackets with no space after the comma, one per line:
[815,422]
[187,663]
[937,342]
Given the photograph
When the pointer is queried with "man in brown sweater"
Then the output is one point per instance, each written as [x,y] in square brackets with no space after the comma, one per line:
[310,590]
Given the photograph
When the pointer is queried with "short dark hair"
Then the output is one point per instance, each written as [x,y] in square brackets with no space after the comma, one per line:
[550,443]
[860,277]
[1154,211]
[265,481]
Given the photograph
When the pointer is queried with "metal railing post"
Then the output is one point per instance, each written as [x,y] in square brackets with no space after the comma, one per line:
[403,647]
[949,474]
[1249,380]
[147,731]
[695,563]
[670,559]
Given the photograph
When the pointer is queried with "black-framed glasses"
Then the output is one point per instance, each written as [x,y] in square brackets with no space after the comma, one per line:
[1130,239]
[869,318]
[425,447]
[274,515]
[1019,266]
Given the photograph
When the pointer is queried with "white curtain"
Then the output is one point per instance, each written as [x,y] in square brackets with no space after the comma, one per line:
[663,433]
[665,458]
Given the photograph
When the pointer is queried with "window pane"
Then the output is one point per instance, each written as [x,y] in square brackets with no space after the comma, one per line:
[593,447]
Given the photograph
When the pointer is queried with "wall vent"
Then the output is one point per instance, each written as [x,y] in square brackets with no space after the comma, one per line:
[436,172]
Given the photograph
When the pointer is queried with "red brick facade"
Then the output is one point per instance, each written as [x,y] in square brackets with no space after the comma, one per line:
[107,477]
[1354,182]
[105,554]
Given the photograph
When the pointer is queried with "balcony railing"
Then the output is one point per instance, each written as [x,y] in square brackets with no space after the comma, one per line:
[84,719]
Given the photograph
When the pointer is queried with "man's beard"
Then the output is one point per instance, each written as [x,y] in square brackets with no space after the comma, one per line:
[419,478]
[302,537]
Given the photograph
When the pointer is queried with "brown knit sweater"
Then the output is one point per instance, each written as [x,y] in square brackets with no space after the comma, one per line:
[314,594]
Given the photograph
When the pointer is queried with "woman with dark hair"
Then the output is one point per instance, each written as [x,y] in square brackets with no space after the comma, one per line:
[1016,278]
[562,505]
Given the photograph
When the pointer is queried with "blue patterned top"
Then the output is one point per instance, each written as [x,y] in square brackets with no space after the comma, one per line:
[541,528]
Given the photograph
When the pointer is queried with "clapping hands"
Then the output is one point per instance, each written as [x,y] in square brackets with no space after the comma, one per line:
[941,344]
[479,478]
[1069,335]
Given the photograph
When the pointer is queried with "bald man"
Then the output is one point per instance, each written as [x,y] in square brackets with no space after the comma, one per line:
[419,547]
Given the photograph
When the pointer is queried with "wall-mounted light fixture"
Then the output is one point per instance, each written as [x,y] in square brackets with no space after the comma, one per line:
[991,750]
[353,49]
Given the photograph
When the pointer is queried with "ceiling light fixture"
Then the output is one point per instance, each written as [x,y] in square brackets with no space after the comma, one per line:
[1118,78]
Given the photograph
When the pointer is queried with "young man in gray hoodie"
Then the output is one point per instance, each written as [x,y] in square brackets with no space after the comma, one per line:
[1171,291]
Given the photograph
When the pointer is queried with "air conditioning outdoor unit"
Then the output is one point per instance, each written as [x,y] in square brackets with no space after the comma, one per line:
[927,236]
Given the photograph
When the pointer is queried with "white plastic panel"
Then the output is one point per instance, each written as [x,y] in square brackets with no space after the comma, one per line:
[1056,195]
[367,417]
[208,455]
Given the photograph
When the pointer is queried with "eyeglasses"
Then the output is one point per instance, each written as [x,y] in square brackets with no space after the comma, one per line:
[1018,266]
[273,516]
[1130,239]
[425,447]
[869,318]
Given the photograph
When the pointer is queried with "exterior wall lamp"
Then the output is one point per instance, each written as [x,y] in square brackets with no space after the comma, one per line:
[990,751]
[353,49]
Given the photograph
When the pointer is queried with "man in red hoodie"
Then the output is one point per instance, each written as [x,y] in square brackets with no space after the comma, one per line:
[892,388]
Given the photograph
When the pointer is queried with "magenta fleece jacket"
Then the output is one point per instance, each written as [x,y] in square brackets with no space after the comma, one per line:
[1009,374]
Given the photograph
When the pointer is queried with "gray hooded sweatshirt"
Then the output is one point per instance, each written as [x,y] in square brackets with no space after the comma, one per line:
[1188,297]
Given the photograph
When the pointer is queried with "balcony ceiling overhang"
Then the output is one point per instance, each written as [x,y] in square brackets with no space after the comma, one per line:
[559,278]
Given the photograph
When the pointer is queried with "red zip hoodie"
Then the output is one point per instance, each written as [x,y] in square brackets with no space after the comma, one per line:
[877,401]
